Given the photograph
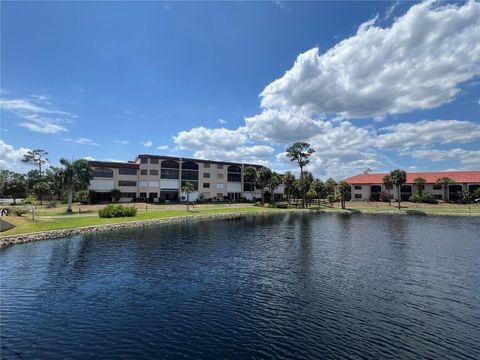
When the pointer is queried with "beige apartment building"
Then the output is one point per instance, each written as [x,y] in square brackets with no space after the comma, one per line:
[157,178]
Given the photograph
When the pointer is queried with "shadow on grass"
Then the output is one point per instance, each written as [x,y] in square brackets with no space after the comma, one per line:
[416,212]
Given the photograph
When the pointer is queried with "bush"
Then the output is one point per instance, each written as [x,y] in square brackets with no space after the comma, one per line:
[415,198]
[384,196]
[82,196]
[112,211]
[20,211]
[30,200]
[51,204]
[427,198]
[331,198]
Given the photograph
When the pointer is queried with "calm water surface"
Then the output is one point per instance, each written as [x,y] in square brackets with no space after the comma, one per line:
[278,286]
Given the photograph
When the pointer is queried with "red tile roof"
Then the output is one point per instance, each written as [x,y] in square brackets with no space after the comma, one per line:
[430,177]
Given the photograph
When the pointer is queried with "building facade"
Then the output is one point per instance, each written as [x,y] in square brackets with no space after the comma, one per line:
[369,186]
[157,178]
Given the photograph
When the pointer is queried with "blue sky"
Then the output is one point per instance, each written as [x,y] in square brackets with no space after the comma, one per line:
[369,84]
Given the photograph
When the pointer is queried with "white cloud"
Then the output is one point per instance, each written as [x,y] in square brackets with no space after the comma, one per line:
[417,63]
[147,143]
[221,121]
[470,159]
[422,133]
[89,158]
[123,142]
[243,153]
[201,138]
[11,158]
[81,141]
[282,126]
[162,147]
[38,114]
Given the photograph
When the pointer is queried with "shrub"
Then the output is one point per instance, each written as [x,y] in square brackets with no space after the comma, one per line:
[51,204]
[82,196]
[29,200]
[384,196]
[429,199]
[331,198]
[112,211]
[20,211]
[415,198]
[465,197]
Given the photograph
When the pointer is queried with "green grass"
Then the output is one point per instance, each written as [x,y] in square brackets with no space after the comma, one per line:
[26,225]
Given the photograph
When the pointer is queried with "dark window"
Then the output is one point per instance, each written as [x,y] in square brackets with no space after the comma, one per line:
[102,172]
[437,187]
[103,197]
[358,187]
[190,165]
[206,175]
[206,185]
[219,166]
[206,165]
[126,183]
[144,172]
[171,195]
[152,195]
[406,188]
[234,169]
[144,160]
[189,175]
[375,188]
[127,171]
[195,184]
[219,176]
[143,195]
[248,187]
[169,174]
[153,172]
[169,164]
[129,195]
[153,160]
[358,196]
[234,177]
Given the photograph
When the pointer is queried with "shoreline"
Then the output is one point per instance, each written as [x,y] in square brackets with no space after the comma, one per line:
[61,233]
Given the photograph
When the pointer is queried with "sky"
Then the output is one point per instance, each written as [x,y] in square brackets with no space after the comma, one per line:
[370,85]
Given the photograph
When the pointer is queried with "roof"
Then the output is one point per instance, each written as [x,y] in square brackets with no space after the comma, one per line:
[115,165]
[430,177]
[177,158]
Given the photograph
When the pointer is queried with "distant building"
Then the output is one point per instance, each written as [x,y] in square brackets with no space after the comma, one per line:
[160,178]
[366,186]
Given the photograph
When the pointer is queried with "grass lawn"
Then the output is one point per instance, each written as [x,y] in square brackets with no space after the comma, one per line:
[25,224]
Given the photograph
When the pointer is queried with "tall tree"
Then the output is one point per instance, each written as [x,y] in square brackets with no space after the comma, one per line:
[13,184]
[273,183]
[188,188]
[388,182]
[289,185]
[330,186]
[319,187]
[311,194]
[41,188]
[54,178]
[419,185]
[300,152]
[304,184]
[399,177]
[262,179]
[76,175]
[36,157]
[445,182]
[345,190]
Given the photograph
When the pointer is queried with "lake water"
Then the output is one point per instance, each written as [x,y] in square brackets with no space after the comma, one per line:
[317,286]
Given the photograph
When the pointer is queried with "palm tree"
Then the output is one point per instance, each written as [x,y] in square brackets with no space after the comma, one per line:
[262,179]
[41,189]
[273,183]
[388,182]
[76,175]
[399,177]
[188,188]
[289,185]
[344,190]
[300,152]
[319,187]
[419,185]
[444,182]
[249,176]
[36,157]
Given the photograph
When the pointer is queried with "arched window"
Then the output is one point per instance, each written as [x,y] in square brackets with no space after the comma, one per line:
[170,164]
[234,169]
[189,165]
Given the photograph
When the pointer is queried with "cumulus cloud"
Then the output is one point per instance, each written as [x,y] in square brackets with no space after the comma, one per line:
[417,63]
[162,147]
[469,159]
[11,158]
[282,126]
[147,143]
[37,114]
[422,133]
[201,138]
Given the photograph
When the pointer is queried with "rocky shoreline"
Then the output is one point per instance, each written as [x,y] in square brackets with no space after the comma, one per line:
[55,234]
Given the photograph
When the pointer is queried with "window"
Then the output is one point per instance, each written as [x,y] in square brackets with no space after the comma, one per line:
[219,176]
[169,164]
[152,195]
[234,169]
[144,160]
[219,186]
[126,183]
[127,171]
[153,172]
[189,175]
[129,195]
[169,174]
[153,160]
[234,177]
[358,196]
[206,185]
[248,187]
[206,175]
[358,187]
[220,166]
[206,165]
[190,165]
[437,187]
[144,172]
[143,195]
[102,172]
